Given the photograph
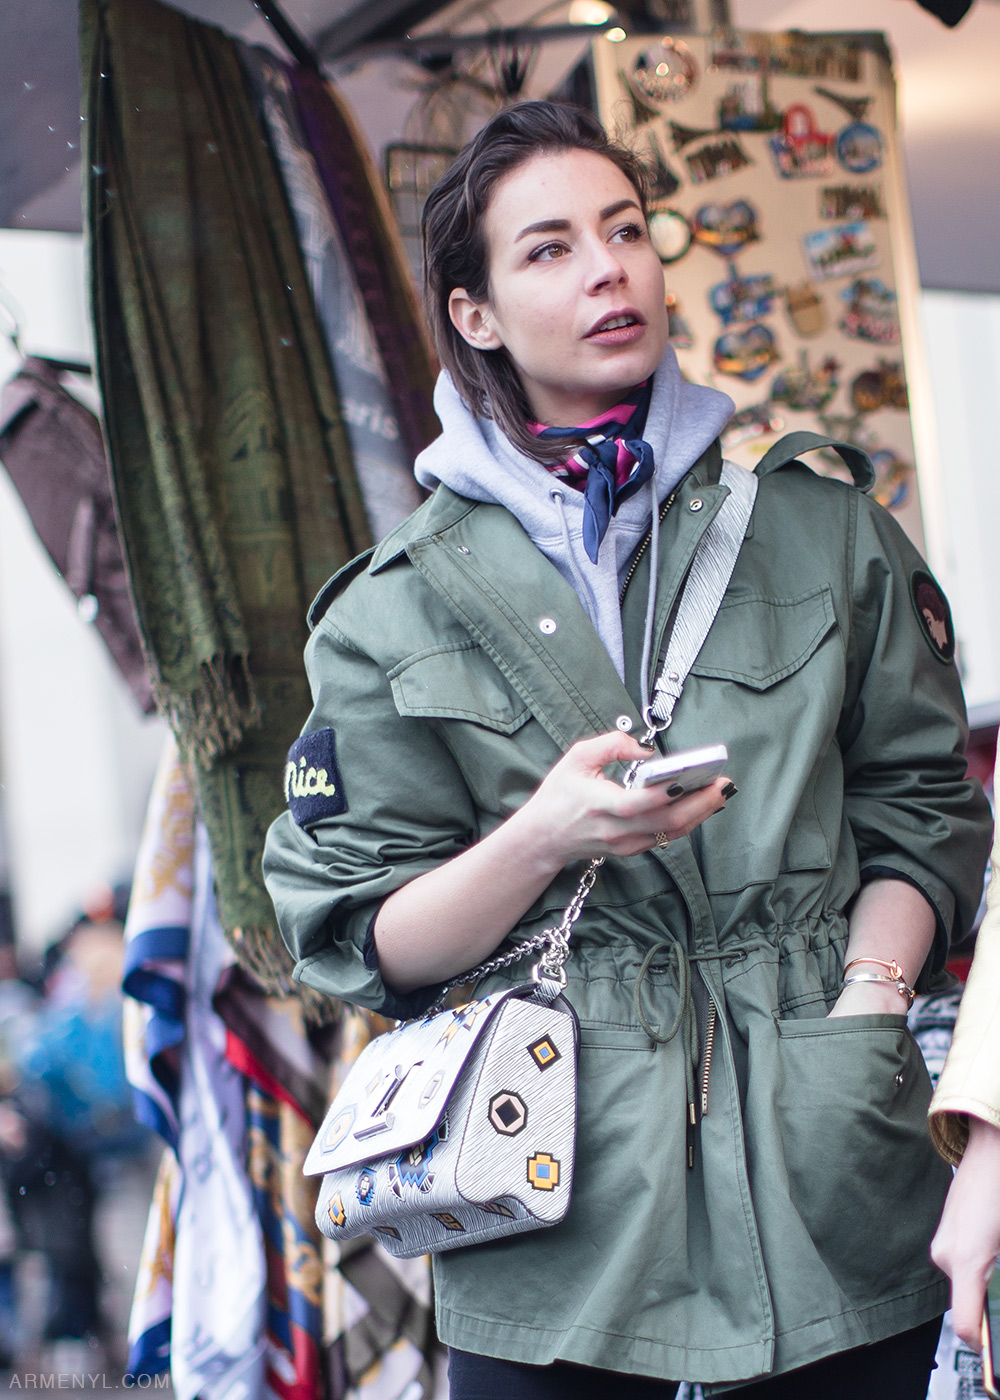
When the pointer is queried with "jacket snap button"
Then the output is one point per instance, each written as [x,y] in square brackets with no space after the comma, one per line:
[547,625]
[464,549]
[623,723]
[899,1077]
[696,504]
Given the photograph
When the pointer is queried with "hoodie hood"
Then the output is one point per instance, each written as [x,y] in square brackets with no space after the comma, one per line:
[474,459]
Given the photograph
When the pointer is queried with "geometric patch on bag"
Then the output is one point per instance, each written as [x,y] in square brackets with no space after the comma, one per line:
[462,1018]
[499,1208]
[336,1211]
[430,1088]
[365,1186]
[387,1230]
[447,1220]
[412,1167]
[544,1053]
[508,1114]
[339,1128]
[543,1172]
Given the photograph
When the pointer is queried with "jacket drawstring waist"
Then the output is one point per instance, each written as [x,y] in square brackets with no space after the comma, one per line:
[685,1022]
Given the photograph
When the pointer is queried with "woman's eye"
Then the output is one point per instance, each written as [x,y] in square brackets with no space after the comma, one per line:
[631,233]
[547,252]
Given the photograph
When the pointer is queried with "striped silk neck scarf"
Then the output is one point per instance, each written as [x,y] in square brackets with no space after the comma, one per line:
[611,466]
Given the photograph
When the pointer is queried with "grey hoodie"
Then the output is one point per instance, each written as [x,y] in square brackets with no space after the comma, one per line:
[474,459]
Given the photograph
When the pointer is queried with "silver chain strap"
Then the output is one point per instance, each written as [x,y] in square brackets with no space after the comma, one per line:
[552,943]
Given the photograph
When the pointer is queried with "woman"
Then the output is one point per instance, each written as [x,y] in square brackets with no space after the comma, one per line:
[965,1125]
[473,679]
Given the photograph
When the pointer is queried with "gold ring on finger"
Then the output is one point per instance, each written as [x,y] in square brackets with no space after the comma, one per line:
[661,839]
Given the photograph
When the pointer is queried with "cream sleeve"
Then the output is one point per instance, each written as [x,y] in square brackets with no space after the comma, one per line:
[970,1081]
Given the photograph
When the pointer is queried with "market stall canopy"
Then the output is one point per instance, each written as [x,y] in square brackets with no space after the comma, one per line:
[950,108]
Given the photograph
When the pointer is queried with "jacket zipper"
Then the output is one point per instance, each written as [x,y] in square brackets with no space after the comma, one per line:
[712,1013]
[706,1068]
[644,546]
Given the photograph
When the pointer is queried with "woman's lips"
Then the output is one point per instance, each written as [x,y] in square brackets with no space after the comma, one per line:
[617,335]
[609,332]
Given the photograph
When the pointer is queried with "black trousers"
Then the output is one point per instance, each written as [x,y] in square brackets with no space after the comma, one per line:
[895,1369]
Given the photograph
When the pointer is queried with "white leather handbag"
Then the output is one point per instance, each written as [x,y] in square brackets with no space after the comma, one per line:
[454,1129]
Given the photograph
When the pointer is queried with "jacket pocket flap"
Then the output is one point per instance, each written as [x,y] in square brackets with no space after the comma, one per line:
[457,681]
[783,632]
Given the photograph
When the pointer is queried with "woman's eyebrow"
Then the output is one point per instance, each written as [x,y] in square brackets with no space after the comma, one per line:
[561,225]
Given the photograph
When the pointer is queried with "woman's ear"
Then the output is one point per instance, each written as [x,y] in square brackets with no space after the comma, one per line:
[473,321]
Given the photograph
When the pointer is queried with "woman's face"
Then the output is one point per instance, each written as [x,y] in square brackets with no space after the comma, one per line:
[576,289]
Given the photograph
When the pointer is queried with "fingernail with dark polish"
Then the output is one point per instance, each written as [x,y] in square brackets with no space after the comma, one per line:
[730,790]
[676,790]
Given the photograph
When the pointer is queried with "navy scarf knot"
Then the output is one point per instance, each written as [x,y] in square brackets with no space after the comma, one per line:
[603,493]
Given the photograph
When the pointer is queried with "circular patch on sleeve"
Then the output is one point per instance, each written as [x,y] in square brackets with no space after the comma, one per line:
[933,614]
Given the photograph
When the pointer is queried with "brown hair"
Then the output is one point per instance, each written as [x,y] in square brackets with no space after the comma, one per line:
[456,255]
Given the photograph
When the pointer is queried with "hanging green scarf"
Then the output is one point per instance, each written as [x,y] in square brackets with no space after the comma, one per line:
[232,473]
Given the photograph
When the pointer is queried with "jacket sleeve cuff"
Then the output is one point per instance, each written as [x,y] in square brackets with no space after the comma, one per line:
[899,867]
[397,1006]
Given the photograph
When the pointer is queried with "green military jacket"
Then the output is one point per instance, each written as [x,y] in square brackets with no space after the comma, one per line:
[802,1227]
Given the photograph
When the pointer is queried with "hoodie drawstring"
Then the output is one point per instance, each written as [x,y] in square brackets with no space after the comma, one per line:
[582,586]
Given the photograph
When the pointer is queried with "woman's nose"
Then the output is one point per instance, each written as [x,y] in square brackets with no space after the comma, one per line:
[605,268]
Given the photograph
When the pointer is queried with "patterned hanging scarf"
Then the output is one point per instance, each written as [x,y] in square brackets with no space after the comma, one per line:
[614,462]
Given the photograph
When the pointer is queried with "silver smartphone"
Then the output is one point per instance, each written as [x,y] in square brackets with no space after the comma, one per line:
[684,772]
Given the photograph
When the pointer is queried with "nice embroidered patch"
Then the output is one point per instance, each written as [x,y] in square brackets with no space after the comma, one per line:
[314,789]
[933,614]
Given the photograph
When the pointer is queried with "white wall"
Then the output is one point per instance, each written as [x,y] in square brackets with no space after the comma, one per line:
[962,335]
[76,757]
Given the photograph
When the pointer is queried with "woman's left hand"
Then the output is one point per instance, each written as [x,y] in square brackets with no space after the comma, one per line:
[968,1239]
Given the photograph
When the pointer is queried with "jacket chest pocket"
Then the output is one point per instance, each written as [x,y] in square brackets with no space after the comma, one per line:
[769,683]
[487,725]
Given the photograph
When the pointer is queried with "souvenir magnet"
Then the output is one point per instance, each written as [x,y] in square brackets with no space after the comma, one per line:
[746,106]
[805,308]
[678,331]
[683,136]
[801,150]
[892,478]
[716,159]
[663,181]
[851,202]
[747,353]
[881,387]
[840,251]
[756,421]
[742,298]
[805,389]
[665,72]
[737,52]
[669,233]
[859,148]
[855,107]
[726,228]
[870,313]
[642,111]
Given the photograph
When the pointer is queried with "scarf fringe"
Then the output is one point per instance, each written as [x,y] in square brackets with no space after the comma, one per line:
[212,719]
[261,953]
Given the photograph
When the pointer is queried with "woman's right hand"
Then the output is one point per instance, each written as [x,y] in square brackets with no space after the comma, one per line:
[577,813]
[451,918]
